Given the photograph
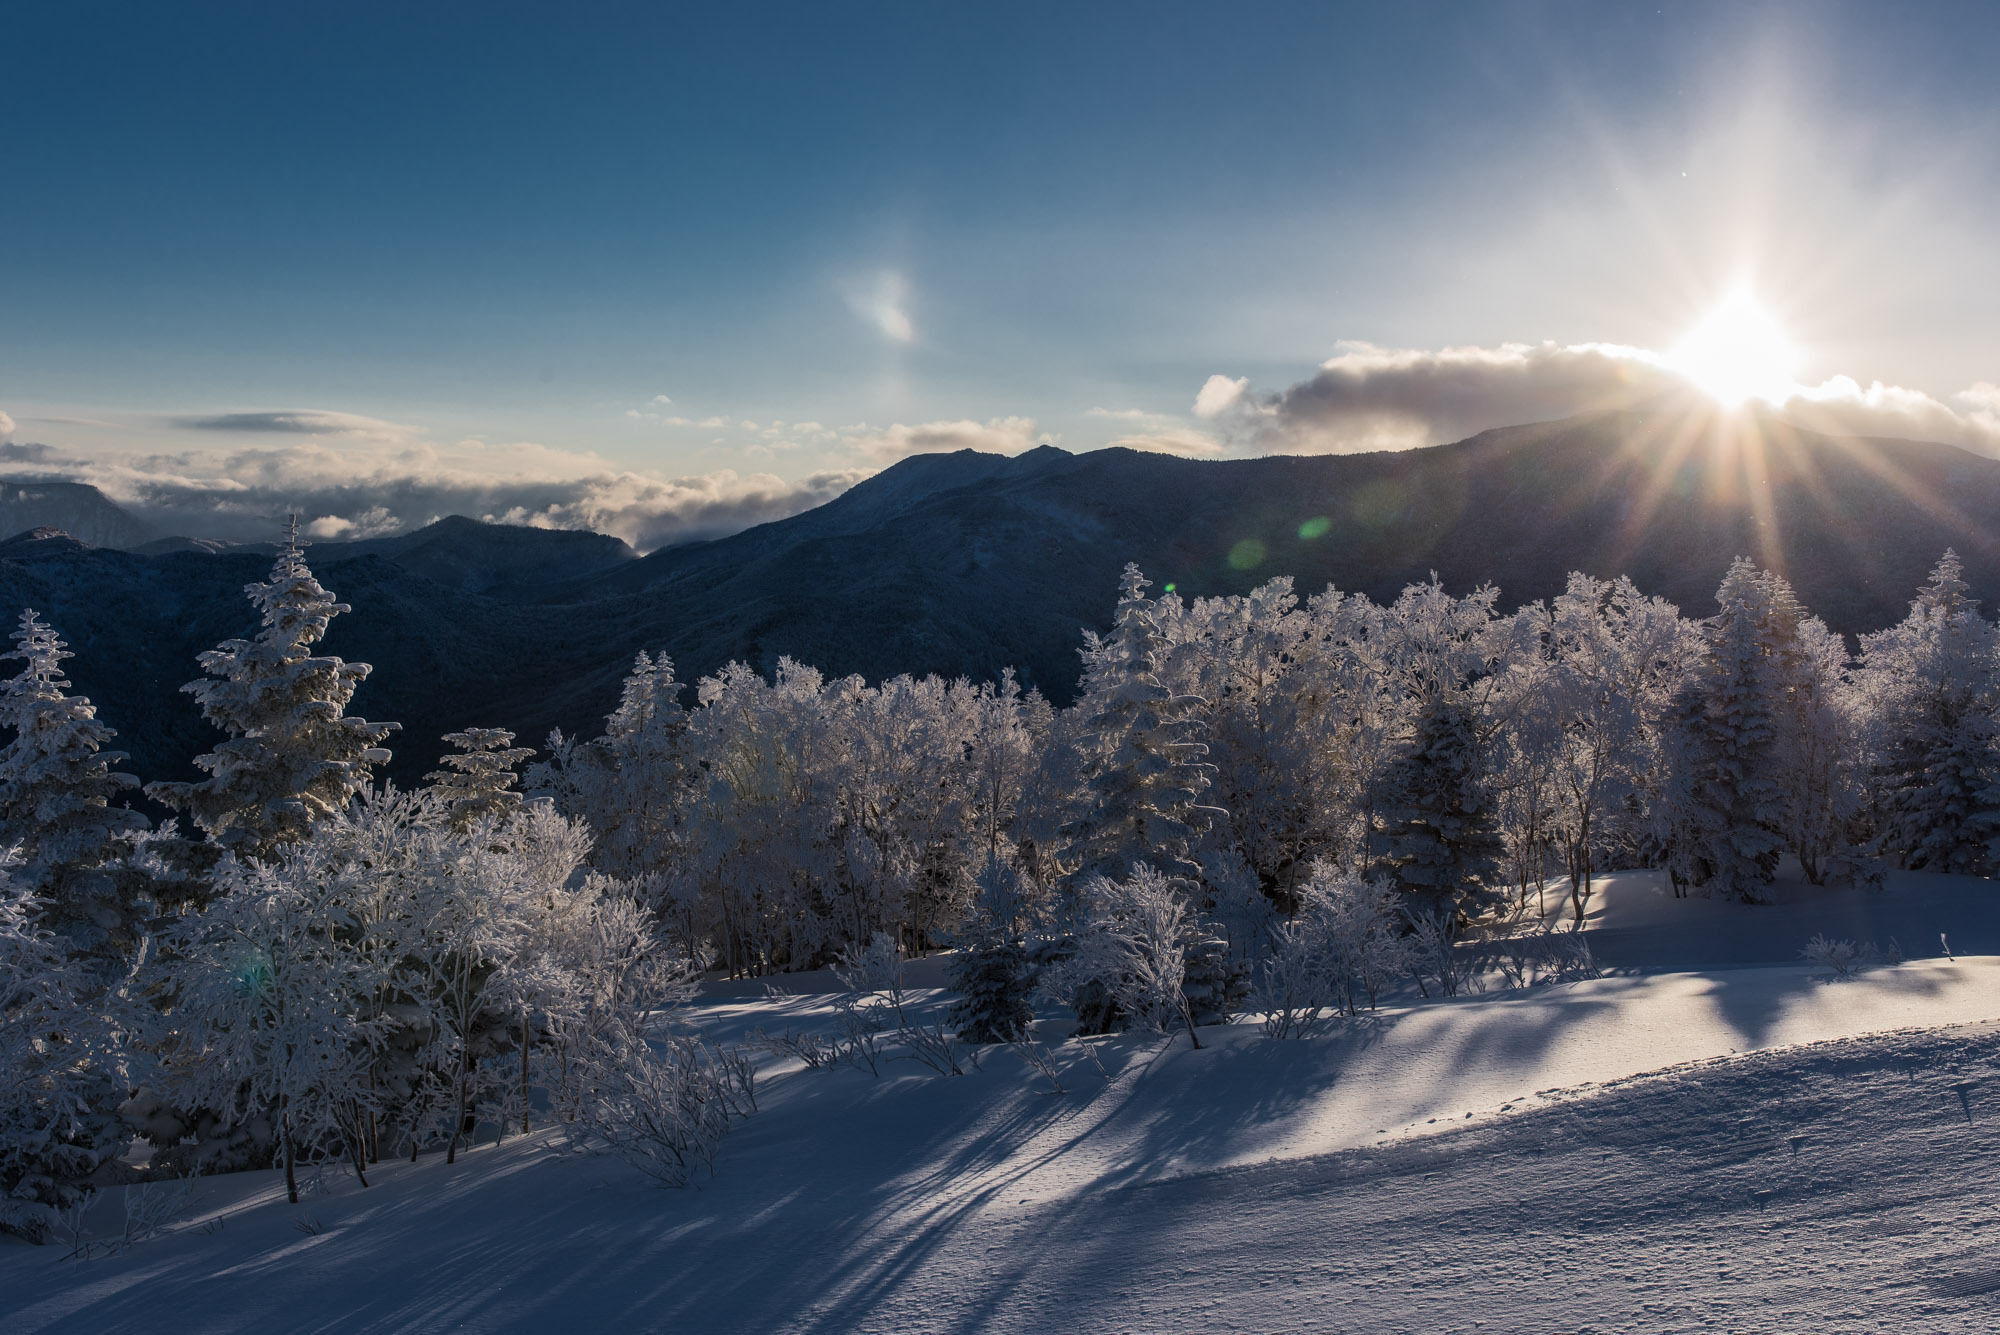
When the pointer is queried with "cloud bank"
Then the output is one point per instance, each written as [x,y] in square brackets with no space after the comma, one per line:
[1372,398]
[364,481]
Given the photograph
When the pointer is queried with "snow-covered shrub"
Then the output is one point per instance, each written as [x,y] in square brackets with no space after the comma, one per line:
[1545,957]
[1842,958]
[992,979]
[1434,957]
[1130,960]
[1335,957]
[661,1100]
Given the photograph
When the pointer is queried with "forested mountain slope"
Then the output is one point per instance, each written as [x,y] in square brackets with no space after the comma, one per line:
[969,563]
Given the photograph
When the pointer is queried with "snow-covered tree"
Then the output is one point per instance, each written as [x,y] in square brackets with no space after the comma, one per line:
[293,756]
[270,1007]
[478,779]
[60,1076]
[1931,689]
[1144,757]
[1763,737]
[992,974]
[1439,827]
[58,784]
[634,783]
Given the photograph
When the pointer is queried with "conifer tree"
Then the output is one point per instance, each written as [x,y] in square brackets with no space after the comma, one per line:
[478,779]
[293,756]
[1144,761]
[57,785]
[1737,799]
[1439,823]
[1932,686]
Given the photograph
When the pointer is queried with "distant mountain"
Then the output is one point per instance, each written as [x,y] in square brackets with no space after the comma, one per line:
[964,564]
[77,508]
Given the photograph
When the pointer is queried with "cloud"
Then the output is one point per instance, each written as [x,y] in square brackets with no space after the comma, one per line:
[1218,394]
[6,427]
[1001,435]
[305,422]
[1371,398]
[1184,441]
[366,488]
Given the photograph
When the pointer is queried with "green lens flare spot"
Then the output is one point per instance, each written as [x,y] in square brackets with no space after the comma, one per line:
[1169,589]
[1246,555]
[1315,527]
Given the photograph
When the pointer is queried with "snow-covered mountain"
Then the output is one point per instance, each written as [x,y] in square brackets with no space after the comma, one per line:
[964,564]
[77,508]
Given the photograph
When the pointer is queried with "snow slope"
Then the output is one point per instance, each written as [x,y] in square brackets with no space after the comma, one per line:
[1331,1184]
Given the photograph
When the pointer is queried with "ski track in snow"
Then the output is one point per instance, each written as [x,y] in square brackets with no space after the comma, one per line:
[1848,1185]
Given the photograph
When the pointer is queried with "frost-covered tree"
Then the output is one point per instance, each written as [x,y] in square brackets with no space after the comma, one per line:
[60,1075]
[478,779]
[1439,827]
[1433,801]
[1736,801]
[634,784]
[1584,734]
[1144,757]
[293,756]
[58,783]
[270,1011]
[1931,687]
[992,973]
[1762,742]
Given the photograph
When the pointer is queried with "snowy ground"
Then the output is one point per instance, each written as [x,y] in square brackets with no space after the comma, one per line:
[1337,1184]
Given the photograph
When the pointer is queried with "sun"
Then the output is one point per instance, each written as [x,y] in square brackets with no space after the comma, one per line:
[1738,353]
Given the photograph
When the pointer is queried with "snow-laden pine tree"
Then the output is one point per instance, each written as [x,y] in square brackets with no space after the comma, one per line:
[1144,758]
[293,755]
[1439,824]
[1736,799]
[991,973]
[57,787]
[1931,686]
[1434,804]
[478,779]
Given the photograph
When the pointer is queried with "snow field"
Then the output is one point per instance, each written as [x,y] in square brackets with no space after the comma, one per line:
[1326,1184]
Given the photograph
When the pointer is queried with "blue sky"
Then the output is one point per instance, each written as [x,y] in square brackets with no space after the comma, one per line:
[544,241]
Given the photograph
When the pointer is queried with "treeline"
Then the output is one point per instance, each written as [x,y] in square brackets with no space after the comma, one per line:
[1462,754]
[1322,792]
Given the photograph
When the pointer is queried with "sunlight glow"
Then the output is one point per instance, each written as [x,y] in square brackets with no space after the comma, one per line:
[1738,353]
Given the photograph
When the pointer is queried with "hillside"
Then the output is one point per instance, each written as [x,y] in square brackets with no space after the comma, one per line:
[1700,1148]
[965,564]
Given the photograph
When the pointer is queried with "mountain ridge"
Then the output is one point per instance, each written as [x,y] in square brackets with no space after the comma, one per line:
[967,564]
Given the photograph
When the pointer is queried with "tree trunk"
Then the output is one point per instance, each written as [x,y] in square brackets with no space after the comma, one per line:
[524,1074]
[285,1148]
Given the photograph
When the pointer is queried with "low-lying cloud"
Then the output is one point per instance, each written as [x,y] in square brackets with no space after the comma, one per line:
[1001,435]
[363,486]
[1372,398]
